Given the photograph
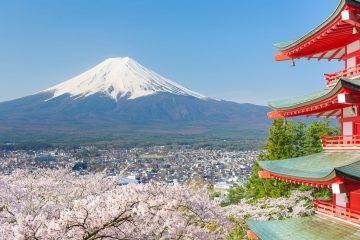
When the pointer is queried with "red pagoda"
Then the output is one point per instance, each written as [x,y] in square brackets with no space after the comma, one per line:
[338,166]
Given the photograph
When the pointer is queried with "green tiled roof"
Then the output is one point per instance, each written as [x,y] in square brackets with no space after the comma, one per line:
[351,171]
[287,103]
[309,228]
[315,97]
[317,167]
[287,45]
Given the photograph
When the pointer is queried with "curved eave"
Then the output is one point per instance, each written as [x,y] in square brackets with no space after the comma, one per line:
[326,180]
[321,168]
[323,41]
[350,172]
[313,98]
[283,46]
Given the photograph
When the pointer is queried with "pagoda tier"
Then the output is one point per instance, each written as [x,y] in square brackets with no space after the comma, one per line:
[339,171]
[338,167]
[327,103]
[329,39]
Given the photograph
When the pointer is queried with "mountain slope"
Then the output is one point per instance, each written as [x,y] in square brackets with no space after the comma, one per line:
[121,96]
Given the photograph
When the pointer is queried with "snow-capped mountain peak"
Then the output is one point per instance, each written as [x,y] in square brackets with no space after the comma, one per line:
[118,78]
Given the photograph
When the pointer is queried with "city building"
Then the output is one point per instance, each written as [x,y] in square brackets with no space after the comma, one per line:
[338,166]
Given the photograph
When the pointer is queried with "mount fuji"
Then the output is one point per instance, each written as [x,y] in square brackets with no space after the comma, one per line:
[117,96]
[119,78]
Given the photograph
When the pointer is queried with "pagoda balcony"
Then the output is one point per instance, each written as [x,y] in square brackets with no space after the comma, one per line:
[345,142]
[344,214]
[351,72]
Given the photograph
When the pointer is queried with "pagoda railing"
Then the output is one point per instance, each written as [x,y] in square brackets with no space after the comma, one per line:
[345,73]
[344,141]
[328,208]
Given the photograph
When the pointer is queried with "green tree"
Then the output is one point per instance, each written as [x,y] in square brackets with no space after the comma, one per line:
[279,144]
[260,188]
[285,140]
[235,194]
[298,131]
[312,144]
[313,132]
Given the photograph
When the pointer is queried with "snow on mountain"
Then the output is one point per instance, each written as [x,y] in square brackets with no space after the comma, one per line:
[94,106]
[118,78]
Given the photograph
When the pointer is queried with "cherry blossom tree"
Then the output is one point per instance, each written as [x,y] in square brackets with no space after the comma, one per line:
[61,205]
[298,204]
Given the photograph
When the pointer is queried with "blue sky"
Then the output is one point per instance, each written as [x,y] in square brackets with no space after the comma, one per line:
[221,48]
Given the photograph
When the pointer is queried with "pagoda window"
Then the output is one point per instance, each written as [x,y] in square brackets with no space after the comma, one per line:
[341,199]
[348,127]
[347,130]
[351,62]
[353,47]
[352,59]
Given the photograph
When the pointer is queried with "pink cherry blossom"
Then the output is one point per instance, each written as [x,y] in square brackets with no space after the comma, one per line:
[58,204]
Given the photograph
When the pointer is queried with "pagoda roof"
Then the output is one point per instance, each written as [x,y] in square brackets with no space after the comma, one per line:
[314,97]
[304,100]
[351,171]
[327,40]
[328,94]
[320,167]
[313,227]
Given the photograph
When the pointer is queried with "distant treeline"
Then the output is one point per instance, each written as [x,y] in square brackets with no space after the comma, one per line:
[25,146]
[245,140]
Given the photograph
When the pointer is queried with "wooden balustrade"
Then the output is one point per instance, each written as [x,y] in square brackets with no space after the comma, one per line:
[345,73]
[341,142]
[340,212]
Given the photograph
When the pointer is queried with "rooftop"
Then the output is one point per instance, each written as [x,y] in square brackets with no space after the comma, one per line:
[315,97]
[289,44]
[322,41]
[321,167]
[314,227]
[326,103]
